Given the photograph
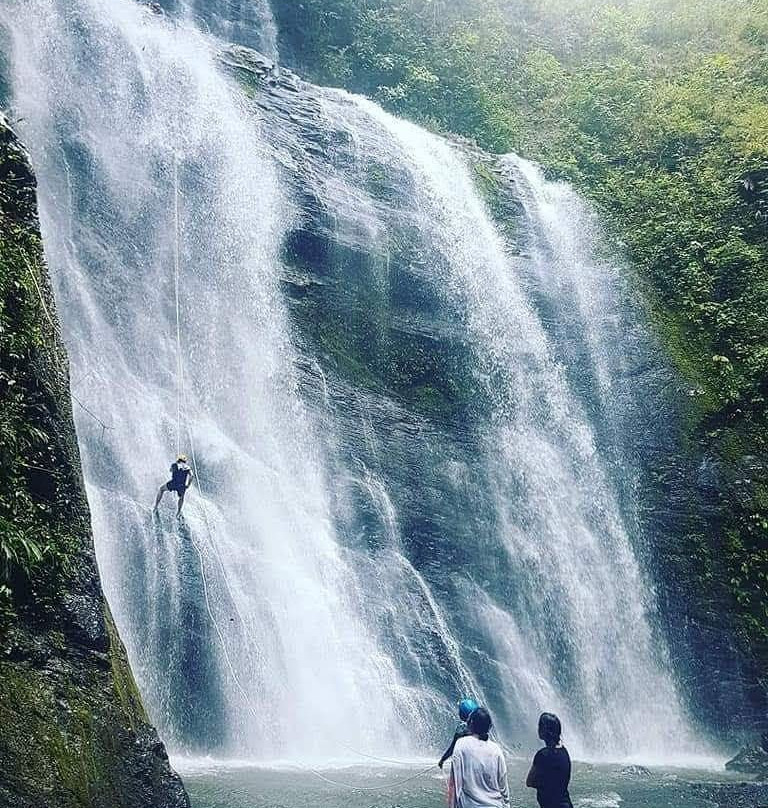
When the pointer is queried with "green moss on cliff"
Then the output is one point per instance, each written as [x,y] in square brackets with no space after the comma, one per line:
[36,499]
[74,732]
[64,753]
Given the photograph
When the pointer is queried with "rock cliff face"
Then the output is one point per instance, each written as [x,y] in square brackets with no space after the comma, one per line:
[696,498]
[74,732]
[687,495]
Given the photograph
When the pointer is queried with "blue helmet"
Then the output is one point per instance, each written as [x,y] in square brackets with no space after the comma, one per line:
[466,708]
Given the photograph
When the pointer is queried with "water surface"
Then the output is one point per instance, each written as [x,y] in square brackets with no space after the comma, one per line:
[592,786]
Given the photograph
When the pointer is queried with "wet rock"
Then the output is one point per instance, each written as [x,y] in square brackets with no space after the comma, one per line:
[750,760]
[735,795]
[635,771]
[260,66]
[152,6]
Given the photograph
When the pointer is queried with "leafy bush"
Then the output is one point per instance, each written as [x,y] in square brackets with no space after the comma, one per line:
[39,501]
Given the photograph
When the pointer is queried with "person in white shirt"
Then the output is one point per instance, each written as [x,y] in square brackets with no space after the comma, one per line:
[479,771]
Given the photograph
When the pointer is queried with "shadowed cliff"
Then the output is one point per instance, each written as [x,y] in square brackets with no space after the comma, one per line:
[74,732]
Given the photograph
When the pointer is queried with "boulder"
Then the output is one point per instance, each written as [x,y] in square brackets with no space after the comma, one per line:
[635,771]
[750,760]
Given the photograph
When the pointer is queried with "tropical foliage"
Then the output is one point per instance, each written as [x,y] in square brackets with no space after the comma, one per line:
[39,503]
[658,111]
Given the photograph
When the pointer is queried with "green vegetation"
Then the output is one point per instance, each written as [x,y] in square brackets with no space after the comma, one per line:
[74,730]
[658,111]
[38,503]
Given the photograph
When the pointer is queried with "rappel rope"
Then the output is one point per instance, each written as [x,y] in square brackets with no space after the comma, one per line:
[352,787]
[176,274]
[180,379]
[209,529]
[376,757]
[179,397]
[206,591]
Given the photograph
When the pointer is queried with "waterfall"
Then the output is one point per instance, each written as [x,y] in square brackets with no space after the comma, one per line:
[365,547]
[111,96]
[565,608]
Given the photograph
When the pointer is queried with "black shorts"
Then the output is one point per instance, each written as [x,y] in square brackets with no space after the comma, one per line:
[169,486]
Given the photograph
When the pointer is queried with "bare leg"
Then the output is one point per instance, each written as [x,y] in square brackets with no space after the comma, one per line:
[181,501]
[160,493]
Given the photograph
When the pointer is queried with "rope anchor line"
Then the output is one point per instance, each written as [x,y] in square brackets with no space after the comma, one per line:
[179,413]
[176,274]
[384,787]
[206,588]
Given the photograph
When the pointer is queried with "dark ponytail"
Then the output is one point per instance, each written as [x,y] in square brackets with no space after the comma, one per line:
[550,729]
[480,723]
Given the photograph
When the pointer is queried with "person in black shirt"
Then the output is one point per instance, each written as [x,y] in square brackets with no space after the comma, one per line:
[181,479]
[466,708]
[551,769]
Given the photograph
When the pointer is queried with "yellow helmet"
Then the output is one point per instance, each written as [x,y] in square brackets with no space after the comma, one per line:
[182,458]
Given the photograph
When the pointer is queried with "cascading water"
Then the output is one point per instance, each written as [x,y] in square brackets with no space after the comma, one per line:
[112,96]
[369,543]
[243,22]
[563,609]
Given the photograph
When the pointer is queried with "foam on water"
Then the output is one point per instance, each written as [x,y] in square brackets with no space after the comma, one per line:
[611,800]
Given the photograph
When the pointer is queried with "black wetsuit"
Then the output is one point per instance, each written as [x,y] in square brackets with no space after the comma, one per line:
[553,773]
[462,730]
[179,477]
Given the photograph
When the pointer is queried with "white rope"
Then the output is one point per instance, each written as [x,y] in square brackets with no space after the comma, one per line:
[218,630]
[209,530]
[393,761]
[177,272]
[179,398]
[212,543]
[180,379]
[352,787]
[246,696]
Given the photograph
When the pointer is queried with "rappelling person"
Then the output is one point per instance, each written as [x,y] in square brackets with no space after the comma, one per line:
[181,479]
[466,708]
